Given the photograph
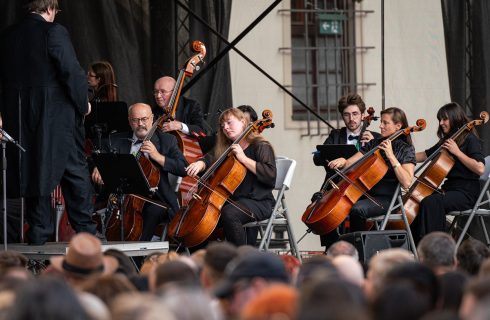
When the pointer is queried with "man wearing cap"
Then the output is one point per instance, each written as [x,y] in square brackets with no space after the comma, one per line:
[246,276]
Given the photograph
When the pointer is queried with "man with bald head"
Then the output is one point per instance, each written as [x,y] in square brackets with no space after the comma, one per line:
[188,116]
[162,149]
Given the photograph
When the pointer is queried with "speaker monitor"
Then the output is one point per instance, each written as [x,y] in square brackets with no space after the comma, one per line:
[369,243]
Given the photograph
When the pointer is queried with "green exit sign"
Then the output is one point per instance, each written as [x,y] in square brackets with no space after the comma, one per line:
[331,24]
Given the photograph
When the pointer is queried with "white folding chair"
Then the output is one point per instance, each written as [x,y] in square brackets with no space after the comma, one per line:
[481,208]
[395,213]
[279,216]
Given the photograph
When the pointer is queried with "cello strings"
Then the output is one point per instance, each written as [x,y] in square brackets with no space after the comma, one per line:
[231,202]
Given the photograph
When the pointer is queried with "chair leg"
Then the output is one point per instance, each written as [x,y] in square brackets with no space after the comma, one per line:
[485,232]
[407,228]
[292,241]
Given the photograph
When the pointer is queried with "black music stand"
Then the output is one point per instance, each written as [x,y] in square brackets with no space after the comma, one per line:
[334,151]
[105,118]
[122,174]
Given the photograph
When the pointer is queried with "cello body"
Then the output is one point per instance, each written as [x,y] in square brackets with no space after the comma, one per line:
[327,213]
[133,219]
[194,224]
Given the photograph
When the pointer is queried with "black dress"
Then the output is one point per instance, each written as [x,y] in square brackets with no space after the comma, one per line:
[461,191]
[254,195]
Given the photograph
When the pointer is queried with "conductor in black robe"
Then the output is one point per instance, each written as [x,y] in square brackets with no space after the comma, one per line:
[43,103]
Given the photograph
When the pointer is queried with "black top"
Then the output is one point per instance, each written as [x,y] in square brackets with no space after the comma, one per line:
[189,112]
[257,187]
[404,153]
[460,177]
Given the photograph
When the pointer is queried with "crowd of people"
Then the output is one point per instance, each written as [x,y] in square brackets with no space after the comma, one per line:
[228,282]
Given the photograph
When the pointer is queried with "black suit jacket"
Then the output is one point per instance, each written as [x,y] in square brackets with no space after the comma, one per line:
[336,136]
[43,99]
[189,112]
[166,145]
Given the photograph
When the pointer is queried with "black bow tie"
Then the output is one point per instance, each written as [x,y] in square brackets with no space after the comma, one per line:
[352,137]
[139,141]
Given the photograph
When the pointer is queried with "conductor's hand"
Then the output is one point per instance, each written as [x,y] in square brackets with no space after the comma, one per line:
[338,163]
[194,168]
[96,177]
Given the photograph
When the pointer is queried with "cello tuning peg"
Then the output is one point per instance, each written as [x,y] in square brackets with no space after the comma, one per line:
[197,68]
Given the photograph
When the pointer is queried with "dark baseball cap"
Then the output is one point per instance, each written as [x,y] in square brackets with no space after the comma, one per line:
[252,265]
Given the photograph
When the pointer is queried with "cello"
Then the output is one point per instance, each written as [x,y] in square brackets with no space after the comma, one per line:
[193,224]
[440,162]
[328,212]
[189,145]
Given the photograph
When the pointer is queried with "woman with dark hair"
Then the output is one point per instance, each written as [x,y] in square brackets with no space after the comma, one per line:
[461,188]
[398,154]
[254,195]
[102,81]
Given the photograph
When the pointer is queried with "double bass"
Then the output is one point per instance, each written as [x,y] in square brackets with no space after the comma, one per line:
[189,145]
[193,224]
[440,162]
[328,212]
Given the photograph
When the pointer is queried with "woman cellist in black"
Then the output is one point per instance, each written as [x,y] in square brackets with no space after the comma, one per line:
[253,199]
[399,155]
[461,188]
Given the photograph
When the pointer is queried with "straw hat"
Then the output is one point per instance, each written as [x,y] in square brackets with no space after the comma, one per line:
[84,258]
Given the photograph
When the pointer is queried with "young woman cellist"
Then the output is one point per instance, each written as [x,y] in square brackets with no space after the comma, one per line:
[253,199]
[462,187]
[398,154]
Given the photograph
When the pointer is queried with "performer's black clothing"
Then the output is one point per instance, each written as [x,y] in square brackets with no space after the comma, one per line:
[43,102]
[254,195]
[166,144]
[383,191]
[336,136]
[461,190]
[189,112]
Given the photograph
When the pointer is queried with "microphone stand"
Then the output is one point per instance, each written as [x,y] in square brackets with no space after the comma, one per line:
[6,138]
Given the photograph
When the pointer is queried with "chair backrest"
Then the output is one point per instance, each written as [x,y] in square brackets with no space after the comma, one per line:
[285,171]
[281,157]
[486,173]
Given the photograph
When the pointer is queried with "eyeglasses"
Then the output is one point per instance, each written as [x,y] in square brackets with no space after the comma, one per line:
[137,120]
[162,92]
[351,115]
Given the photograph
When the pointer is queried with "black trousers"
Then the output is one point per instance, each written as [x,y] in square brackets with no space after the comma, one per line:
[358,214]
[432,211]
[152,216]
[77,192]
[233,218]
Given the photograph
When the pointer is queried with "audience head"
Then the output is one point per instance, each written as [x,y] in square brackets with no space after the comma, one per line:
[380,265]
[84,259]
[11,259]
[125,264]
[315,268]
[156,258]
[190,304]
[437,250]
[248,275]
[471,254]
[217,257]
[47,298]
[172,273]
[451,288]
[132,306]
[343,248]
[277,301]
[108,287]
[476,291]
[350,269]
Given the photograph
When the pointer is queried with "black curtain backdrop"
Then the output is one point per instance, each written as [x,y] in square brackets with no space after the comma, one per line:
[456,39]
[138,38]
